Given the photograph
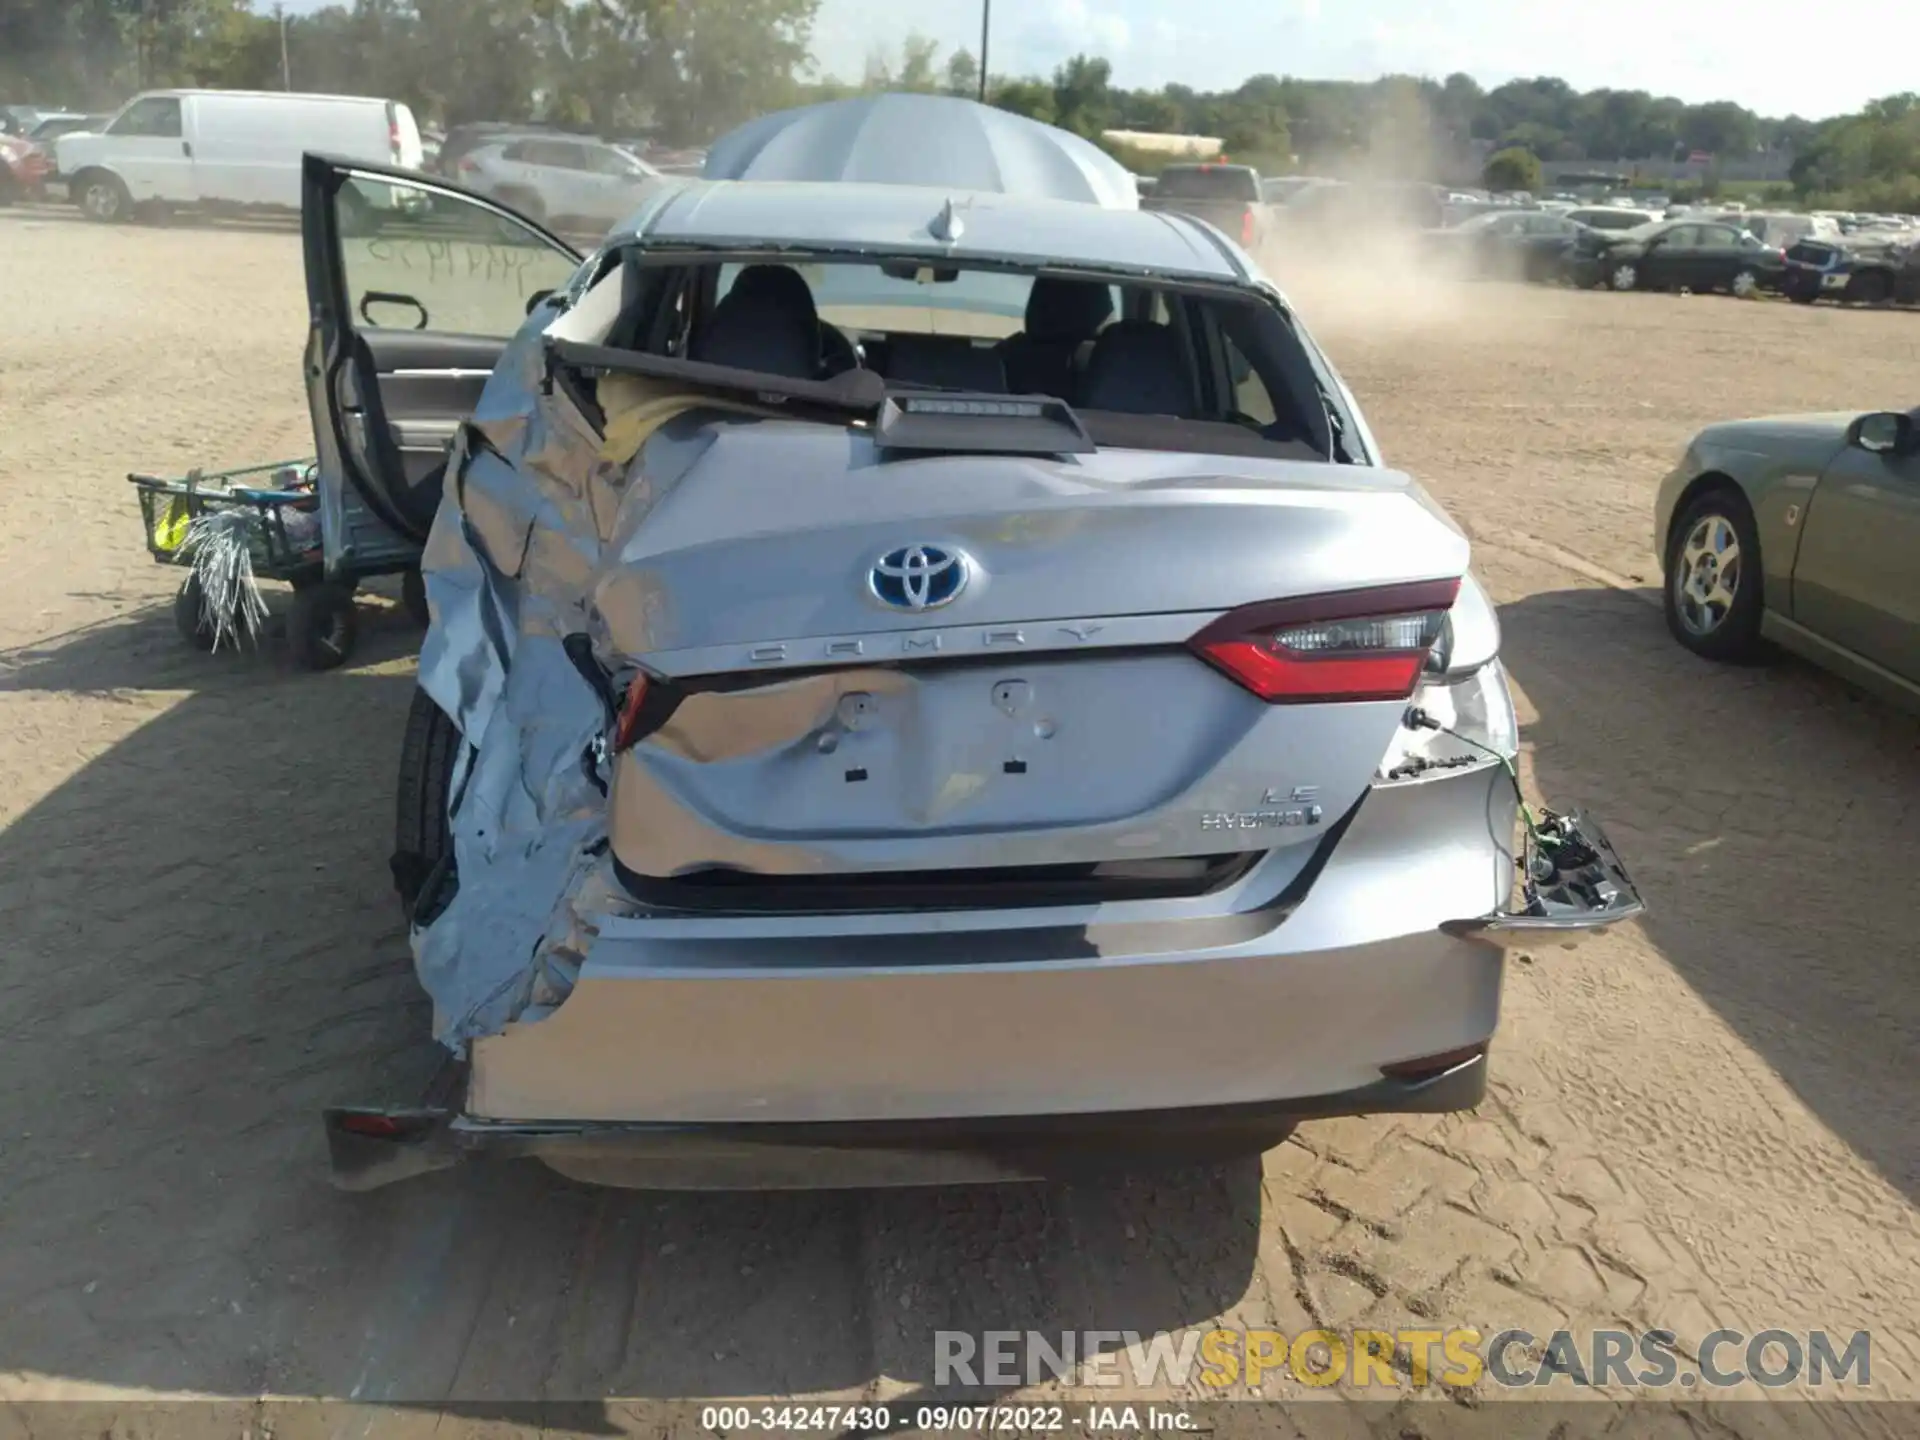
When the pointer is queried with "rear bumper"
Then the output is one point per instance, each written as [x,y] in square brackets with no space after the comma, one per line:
[863,1154]
[852,1050]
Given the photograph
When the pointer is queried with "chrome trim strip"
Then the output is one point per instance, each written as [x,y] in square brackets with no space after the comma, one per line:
[947,642]
[437,374]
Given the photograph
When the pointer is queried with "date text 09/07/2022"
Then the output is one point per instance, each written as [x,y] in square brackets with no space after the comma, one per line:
[946,1419]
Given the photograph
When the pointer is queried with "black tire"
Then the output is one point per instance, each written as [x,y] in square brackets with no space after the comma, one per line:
[355,215]
[1801,297]
[1869,287]
[413,597]
[321,626]
[1735,637]
[190,614]
[102,198]
[524,202]
[1625,276]
[422,833]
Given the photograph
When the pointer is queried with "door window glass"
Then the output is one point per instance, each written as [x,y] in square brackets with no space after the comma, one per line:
[420,259]
[159,115]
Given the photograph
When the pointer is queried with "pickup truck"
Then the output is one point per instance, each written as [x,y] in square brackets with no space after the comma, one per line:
[1227,197]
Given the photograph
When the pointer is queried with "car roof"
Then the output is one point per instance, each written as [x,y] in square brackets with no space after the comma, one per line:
[828,215]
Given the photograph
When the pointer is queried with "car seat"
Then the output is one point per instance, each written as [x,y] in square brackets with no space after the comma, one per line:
[1137,368]
[1063,316]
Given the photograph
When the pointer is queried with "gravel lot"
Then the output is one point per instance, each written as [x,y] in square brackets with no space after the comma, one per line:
[1712,1119]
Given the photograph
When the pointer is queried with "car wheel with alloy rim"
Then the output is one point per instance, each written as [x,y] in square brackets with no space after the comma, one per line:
[1713,578]
[1624,277]
[1745,284]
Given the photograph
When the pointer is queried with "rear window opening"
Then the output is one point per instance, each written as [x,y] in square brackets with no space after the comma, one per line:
[1219,368]
[727,890]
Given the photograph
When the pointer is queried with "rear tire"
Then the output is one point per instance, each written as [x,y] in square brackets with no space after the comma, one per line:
[1623,277]
[413,596]
[524,202]
[422,831]
[321,626]
[1869,288]
[355,214]
[1724,629]
[1744,285]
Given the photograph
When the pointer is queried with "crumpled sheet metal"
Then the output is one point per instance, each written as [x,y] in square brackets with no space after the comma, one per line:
[534,496]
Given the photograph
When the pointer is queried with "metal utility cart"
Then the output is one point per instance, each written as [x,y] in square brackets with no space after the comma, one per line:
[293,538]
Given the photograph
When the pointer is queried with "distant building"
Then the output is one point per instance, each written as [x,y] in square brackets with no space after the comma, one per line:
[1187,147]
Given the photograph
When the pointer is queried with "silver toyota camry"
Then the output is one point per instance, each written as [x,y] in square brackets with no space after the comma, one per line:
[922,687]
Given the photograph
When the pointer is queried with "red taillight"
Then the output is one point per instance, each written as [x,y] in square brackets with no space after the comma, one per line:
[1246,227]
[1351,645]
[378,1127]
[393,139]
[627,729]
[466,165]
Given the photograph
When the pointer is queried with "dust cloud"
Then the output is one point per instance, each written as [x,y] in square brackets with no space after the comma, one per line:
[1369,267]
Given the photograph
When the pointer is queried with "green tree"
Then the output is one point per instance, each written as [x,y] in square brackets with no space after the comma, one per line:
[1032,98]
[1512,169]
[963,74]
[1082,96]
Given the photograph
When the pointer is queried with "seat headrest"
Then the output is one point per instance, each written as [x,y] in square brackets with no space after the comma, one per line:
[948,361]
[1066,310]
[766,322]
[1137,369]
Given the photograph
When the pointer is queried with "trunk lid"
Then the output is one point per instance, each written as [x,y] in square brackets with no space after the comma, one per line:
[1049,712]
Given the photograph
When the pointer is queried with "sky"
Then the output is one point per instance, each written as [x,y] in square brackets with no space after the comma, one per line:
[1782,60]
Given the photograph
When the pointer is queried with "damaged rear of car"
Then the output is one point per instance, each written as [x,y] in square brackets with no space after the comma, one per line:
[903,706]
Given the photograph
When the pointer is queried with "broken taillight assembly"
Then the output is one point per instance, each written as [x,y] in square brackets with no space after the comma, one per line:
[1351,645]
[626,729]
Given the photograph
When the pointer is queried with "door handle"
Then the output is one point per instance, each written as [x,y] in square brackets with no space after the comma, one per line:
[186,148]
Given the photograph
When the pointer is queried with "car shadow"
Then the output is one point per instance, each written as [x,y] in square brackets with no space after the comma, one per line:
[143,650]
[204,951]
[1766,813]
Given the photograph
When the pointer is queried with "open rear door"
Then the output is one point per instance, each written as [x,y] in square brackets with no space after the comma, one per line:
[414,287]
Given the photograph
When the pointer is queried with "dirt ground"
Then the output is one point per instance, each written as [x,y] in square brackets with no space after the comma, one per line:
[1711,1119]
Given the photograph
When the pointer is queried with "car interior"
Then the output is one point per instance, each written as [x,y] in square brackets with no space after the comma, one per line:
[1117,349]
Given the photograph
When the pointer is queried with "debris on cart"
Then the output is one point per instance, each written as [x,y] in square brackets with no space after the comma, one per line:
[232,529]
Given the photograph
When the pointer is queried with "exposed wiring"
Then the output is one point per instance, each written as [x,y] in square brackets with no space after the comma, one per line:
[1418,719]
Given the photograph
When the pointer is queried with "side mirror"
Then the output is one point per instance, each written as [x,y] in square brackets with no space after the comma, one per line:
[537,299]
[1884,432]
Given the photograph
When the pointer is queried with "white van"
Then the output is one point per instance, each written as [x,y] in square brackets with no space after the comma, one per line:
[226,147]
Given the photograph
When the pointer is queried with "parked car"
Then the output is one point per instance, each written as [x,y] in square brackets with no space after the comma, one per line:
[460,139]
[1801,531]
[1228,197]
[1612,217]
[51,126]
[557,179]
[777,781]
[1782,229]
[1677,254]
[1855,269]
[49,130]
[23,169]
[225,148]
[1512,245]
[1278,189]
[17,120]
